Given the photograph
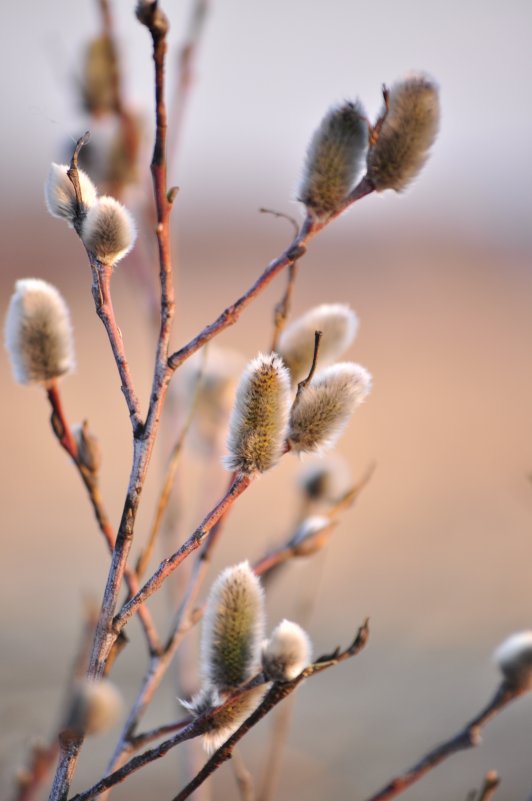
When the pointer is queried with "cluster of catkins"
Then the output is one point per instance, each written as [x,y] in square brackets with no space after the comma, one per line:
[234,651]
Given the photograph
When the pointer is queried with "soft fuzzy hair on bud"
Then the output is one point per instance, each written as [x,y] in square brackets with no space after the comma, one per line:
[407,131]
[286,653]
[324,480]
[338,324]
[108,231]
[60,196]
[259,418]
[323,409]
[334,159]
[514,659]
[227,720]
[38,333]
[233,628]
[95,707]
[311,535]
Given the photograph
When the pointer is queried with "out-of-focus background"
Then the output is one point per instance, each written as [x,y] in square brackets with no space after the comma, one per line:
[437,551]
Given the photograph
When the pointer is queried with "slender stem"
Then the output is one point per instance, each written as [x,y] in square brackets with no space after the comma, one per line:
[101,292]
[468,737]
[167,566]
[306,381]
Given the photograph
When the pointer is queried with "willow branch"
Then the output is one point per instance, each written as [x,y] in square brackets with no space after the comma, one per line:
[468,737]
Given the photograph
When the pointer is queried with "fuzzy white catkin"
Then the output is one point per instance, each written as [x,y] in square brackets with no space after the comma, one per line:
[325,406]
[60,196]
[233,628]
[407,133]
[38,333]
[108,231]
[96,706]
[338,324]
[286,653]
[258,424]
[514,659]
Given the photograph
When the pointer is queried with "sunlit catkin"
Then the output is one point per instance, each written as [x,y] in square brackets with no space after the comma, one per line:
[108,231]
[233,628]
[514,659]
[60,196]
[409,128]
[259,417]
[323,409]
[38,333]
[338,324]
[286,653]
[334,159]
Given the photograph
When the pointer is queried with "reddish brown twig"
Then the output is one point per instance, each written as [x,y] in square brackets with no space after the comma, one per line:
[468,737]
[203,723]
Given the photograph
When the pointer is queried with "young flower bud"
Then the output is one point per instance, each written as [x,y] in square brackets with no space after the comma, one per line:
[38,333]
[108,231]
[311,535]
[257,428]
[95,707]
[233,628]
[514,659]
[286,653]
[338,324]
[408,129]
[323,409]
[60,196]
[324,480]
[89,451]
[334,159]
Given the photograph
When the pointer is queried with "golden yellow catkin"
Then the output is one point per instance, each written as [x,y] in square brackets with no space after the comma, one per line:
[259,418]
[38,333]
[408,130]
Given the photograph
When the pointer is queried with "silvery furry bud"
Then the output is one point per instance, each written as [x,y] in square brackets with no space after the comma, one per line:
[228,719]
[311,535]
[406,131]
[323,409]
[60,196]
[95,707]
[286,653]
[38,333]
[108,231]
[338,324]
[257,428]
[514,659]
[334,159]
[233,628]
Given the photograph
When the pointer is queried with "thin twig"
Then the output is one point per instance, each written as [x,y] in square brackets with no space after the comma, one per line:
[468,737]
[243,777]
[301,387]
[204,722]
[166,490]
[278,692]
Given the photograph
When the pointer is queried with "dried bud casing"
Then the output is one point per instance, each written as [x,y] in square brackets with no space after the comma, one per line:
[38,333]
[405,133]
[323,409]
[233,628]
[257,428]
[311,535]
[338,324]
[60,196]
[286,653]
[514,659]
[108,231]
[95,707]
[89,451]
[334,159]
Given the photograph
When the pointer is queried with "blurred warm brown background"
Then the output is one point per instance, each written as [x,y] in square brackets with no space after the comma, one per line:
[438,549]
